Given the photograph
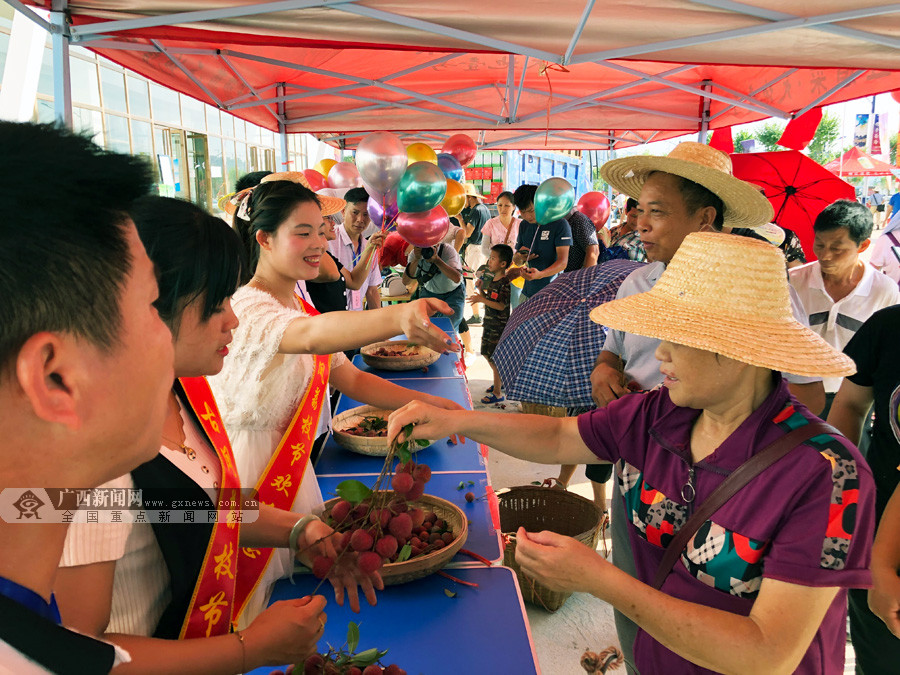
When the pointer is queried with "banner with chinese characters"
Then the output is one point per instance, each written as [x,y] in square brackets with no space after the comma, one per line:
[876,137]
[861,131]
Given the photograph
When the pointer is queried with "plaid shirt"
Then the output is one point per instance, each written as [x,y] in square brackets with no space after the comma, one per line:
[631,244]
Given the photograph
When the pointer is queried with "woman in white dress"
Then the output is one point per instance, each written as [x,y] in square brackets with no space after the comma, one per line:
[271,360]
[503,229]
[140,584]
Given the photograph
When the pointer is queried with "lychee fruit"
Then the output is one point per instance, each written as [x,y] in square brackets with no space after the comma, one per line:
[470,497]
[401,526]
[341,511]
[416,491]
[402,483]
[386,546]
[422,473]
[321,566]
[360,540]
[369,562]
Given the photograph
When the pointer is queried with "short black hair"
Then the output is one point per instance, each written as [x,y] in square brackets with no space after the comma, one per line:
[249,180]
[356,195]
[504,252]
[196,255]
[64,256]
[846,213]
[508,195]
[630,203]
[697,197]
[271,203]
[523,197]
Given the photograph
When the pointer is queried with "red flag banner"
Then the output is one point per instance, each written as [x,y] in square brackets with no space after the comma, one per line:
[721,140]
[800,130]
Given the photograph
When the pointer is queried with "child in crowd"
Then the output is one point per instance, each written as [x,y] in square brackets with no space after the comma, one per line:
[493,291]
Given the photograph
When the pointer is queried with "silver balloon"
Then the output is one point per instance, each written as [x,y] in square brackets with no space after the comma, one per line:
[381,160]
[343,175]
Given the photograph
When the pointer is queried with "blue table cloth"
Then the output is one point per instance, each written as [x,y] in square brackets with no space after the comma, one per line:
[481,630]
[482,539]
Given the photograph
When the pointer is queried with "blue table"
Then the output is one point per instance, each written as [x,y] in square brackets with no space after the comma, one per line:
[447,365]
[440,456]
[482,539]
[481,630]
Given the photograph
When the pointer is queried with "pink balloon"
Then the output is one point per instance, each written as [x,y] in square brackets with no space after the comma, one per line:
[343,175]
[424,229]
[315,179]
[595,206]
[462,147]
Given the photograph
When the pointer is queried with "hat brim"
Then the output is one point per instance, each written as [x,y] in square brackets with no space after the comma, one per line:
[745,206]
[786,346]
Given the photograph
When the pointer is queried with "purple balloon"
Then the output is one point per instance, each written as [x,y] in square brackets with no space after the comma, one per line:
[450,166]
[379,215]
[424,229]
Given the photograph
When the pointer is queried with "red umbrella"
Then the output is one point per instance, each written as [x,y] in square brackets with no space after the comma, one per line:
[797,187]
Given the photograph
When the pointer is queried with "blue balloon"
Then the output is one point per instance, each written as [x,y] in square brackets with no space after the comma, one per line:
[450,166]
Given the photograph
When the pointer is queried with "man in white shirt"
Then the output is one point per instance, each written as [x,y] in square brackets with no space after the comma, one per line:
[350,246]
[839,291]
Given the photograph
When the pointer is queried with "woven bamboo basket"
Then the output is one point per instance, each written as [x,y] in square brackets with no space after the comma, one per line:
[530,408]
[402,572]
[539,508]
[423,359]
[375,446]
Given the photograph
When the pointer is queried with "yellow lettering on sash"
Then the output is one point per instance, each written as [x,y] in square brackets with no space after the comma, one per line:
[223,562]
[299,450]
[226,458]
[282,483]
[305,425]
[315,398]
[212,611]
[320,371]
[251,552]
[210,416]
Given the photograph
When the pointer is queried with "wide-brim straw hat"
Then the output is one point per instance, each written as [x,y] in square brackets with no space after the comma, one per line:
[727,294]
[330,205]
[745,205]
[472,191]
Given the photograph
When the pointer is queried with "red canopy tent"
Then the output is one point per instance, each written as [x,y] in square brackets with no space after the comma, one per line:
[855,162]
[573,74]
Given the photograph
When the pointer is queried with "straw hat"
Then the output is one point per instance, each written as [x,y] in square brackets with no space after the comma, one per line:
[330,205]
[729,295]
[472,191]
[745,206]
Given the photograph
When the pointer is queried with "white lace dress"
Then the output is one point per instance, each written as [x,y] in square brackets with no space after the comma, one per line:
[258,392]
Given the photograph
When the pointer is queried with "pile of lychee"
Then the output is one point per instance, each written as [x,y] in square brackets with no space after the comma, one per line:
[387,526]
[318,664]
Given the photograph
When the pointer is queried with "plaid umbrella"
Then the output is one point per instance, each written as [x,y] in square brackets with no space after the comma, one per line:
[547,350]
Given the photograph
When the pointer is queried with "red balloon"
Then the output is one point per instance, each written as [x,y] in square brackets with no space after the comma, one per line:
[316,180]
[424,229]
[595,206]
[896,95]
[462,147]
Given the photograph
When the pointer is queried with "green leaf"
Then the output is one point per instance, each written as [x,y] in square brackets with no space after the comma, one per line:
[405,552]
[368,657]
[423,443]
[536,482]
[470,483]
[352,636]
[461,486]
[449,593]
[403,452]
[353,491]
[407,431]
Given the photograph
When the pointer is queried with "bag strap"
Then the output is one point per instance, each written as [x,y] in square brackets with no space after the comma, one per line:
[731,485]
[893,238]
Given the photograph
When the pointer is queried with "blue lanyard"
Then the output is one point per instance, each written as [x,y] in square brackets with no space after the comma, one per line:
[28,598]
[356,256]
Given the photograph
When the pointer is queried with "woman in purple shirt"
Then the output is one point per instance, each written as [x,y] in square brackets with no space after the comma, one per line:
[761,586]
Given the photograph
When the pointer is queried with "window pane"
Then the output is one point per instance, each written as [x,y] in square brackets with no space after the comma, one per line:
[216,169]
[141,138]
[192,112]
[252,134]
[4,47]
[165,105]
[45,81]
[117,134]
[89,121]
[266,138]
[45,111]
[241,159]
[138,97]
[227,124]
[231,173]
[113,90]
[239,131]
[212,120]
[85,87]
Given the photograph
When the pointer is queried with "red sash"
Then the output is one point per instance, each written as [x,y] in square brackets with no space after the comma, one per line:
[280,482]
[213,598]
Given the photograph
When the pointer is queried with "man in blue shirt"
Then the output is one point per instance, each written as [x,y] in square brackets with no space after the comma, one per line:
[892,207]
[545,248]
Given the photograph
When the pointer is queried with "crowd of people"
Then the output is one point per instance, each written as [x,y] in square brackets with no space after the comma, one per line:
[147,344]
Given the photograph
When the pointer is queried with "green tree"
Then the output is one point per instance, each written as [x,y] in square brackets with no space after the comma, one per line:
[769,134]
[892,142]
[823,147]
[742,135]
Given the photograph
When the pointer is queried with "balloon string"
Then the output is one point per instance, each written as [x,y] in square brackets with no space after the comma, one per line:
[544,71]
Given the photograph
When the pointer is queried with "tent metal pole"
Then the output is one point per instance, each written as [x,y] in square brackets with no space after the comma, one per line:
[771,15]
[510,78]
[758,90]
[29,14]
[704,112]
[719,36]
[828,93]
[62,77]
[515,110]
[199,16]
[282,131]
[579,29]
[193,78]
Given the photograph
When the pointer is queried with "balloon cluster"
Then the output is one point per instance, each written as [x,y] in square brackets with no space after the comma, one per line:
[328,173]
[413,187]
